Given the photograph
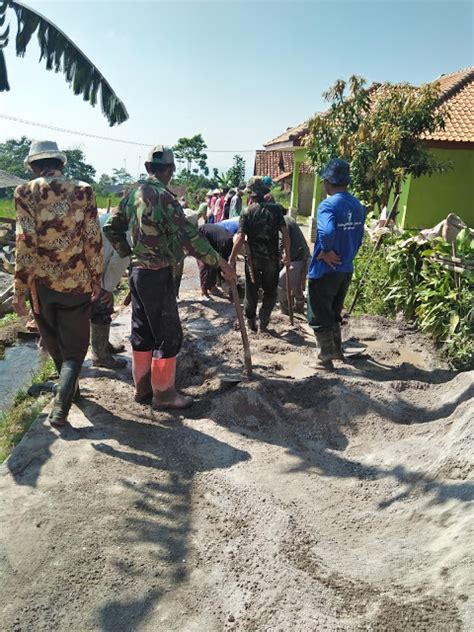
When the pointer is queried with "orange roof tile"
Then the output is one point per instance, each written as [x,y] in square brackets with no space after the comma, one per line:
[457,93]
[276,164]
[291,134]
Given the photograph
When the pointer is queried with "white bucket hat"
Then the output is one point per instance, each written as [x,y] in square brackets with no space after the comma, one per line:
[40,149]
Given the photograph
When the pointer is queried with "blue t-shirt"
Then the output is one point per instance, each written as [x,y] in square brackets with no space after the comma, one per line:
[231,225]
[340,222]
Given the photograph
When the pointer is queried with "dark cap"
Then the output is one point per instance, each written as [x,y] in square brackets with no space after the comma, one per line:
[337,172]
[256,187]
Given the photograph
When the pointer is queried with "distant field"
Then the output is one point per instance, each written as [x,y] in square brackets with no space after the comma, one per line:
[7,210]
[102,201]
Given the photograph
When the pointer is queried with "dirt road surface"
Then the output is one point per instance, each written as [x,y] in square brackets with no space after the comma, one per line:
[296,501]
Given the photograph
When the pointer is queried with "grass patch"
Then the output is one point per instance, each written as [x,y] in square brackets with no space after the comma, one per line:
[103,201]
[7,208]
[16,420]
[8,319]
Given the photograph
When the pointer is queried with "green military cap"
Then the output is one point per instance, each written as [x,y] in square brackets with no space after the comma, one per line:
[161,155]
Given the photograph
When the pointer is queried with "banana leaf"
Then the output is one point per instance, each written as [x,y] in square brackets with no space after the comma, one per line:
[61,55]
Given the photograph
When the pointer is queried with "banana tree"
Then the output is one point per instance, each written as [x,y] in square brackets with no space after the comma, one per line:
[60,54]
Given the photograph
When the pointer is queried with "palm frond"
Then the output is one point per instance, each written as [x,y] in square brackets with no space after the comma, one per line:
[61,55]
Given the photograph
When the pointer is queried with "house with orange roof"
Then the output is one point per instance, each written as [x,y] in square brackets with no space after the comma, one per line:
[424,201]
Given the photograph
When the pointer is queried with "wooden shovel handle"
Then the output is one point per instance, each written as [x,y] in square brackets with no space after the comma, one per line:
[243,330]
[288,294]
[34,297]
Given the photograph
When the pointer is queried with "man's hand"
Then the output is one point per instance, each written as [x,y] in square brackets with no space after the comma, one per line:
[331,258]
[228,271]
[96,290]
[284,258]
[19,305]
[107,298]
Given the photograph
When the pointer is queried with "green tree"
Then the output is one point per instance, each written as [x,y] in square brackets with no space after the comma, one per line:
[77,167]
[236,174]
[14,151]
[60,54]
[101,186]
[379,131]
[121,176]
[12,154]
[191,151]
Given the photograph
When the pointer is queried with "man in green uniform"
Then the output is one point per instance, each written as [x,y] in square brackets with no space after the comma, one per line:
[160,236]
[261,223]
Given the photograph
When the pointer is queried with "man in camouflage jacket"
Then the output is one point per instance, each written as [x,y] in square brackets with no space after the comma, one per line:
[160,235]
[261,223]
[59,263]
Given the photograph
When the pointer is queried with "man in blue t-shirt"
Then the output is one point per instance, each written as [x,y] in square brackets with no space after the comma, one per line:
[340,224]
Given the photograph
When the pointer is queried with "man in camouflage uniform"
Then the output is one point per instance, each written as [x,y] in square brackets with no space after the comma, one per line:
[261,223]
[59,263]
[159,233]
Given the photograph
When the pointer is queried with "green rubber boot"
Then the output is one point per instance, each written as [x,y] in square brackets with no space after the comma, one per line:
[337,339]
[65,392]
[101,355]
[326,349]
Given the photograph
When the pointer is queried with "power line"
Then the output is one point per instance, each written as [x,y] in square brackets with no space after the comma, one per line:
[108,138]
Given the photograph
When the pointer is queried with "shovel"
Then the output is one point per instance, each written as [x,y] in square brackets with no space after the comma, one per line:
[234,378]
[288,295]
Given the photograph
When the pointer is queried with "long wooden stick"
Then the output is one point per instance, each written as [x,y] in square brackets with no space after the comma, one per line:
[34,297]
[390,216]
[243,330]
[288,294]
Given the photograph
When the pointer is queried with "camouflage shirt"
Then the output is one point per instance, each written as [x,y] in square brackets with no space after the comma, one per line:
[58,239]
[261,223]
[158,228]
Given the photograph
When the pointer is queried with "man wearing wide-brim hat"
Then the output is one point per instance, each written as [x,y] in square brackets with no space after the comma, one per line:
[261,224]
[58,263]
[160,234]
[340,224]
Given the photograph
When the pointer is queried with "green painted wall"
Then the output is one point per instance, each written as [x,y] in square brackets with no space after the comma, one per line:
[430,199]
[427,200]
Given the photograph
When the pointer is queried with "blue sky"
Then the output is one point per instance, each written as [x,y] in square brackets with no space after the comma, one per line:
[238,72]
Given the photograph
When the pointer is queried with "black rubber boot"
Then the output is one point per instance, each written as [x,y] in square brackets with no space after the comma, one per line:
[326,349]
[337,339]
[264,316]
[66,389]
[264,322]
[300,304]
[100,354]
[252,324]
[115,349]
